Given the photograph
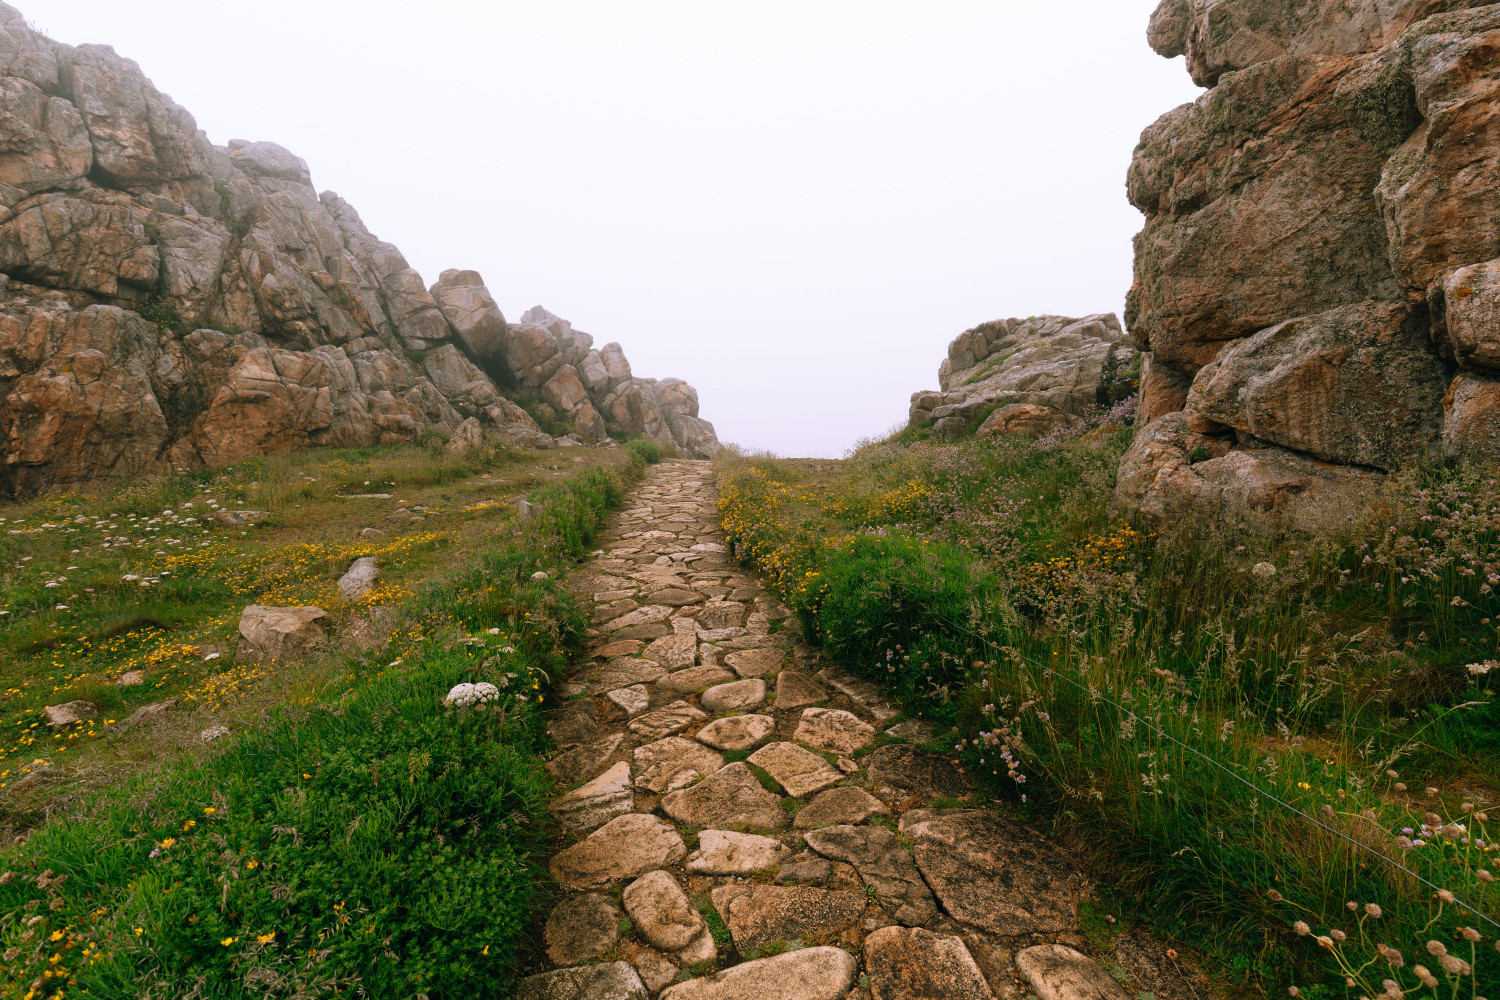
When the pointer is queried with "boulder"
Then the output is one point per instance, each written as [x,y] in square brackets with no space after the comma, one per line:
[1053,363]
[66,714]
[1355,385]
[466,437]
[360,579]
[692,679]
[473,314]
[581,763]
[1174,476]
[1471,420]
[794,689]
[139,135]
[738,732]
[278,635]
[1024,418]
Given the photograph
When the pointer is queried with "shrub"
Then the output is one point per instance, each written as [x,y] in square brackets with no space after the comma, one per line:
[648,450]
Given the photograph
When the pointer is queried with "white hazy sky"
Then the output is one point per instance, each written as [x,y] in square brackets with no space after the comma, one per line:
[793,204]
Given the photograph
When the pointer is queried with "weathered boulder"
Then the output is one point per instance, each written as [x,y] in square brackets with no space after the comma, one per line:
[1024,418]
[1057,972]
[626,847]
[1471,419]
[581,927]
[1175,476]
[278,635]
[1355,385]
[610,981]
[762,914]
[473,314]
[360,578]
[1067,365]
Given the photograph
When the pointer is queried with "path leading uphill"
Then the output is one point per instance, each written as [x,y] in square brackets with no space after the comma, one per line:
[725,778]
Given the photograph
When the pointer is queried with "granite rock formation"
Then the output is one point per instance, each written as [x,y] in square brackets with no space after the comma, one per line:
[1055,365]
[1315,280]
[168,302]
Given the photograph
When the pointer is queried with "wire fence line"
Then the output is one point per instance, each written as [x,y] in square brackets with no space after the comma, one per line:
[1093,693]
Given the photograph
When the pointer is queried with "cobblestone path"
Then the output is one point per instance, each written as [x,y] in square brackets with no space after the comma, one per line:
[747,822]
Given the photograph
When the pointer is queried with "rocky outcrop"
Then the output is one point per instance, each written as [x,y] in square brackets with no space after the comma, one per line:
[1315,280]
[168,302]
[1054,365]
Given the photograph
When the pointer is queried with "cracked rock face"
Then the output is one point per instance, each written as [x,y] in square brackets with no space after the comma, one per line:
[1313,312]
[172,303]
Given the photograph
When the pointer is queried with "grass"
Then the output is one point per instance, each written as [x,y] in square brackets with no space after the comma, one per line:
[1071,657]
[357,837]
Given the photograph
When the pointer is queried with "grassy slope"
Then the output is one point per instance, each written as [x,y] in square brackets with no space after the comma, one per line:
[987,585]
[358,837]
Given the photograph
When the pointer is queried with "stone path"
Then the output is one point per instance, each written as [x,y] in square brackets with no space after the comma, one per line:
[727,779]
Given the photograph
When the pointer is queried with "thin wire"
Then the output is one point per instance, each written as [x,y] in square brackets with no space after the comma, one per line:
[1092,693]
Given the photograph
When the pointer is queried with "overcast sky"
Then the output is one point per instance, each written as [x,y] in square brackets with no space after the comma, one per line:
[793,205]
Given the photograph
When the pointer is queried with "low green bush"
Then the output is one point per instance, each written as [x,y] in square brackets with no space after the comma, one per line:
[648,450]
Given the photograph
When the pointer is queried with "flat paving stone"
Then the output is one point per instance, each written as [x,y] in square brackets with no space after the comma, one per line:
[614,981]
[994,874]
[622,673]
[674,651]
[756,663]
[722,614]
[673,763]
[833,730]
[822,973]
[738,732]
[799,772]
[650,615]
[662,912]
[729,797]
[666,720]
[735,696]
[794,689]
[625,647]
[626,847]
[584,762]
[724,852]
[675,598]
[909,963]
[597,802]
[1057,972]
[882,862]
[846,805]
[759,915]
[581,927]
[632,700]
[914,771]
[699,678]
